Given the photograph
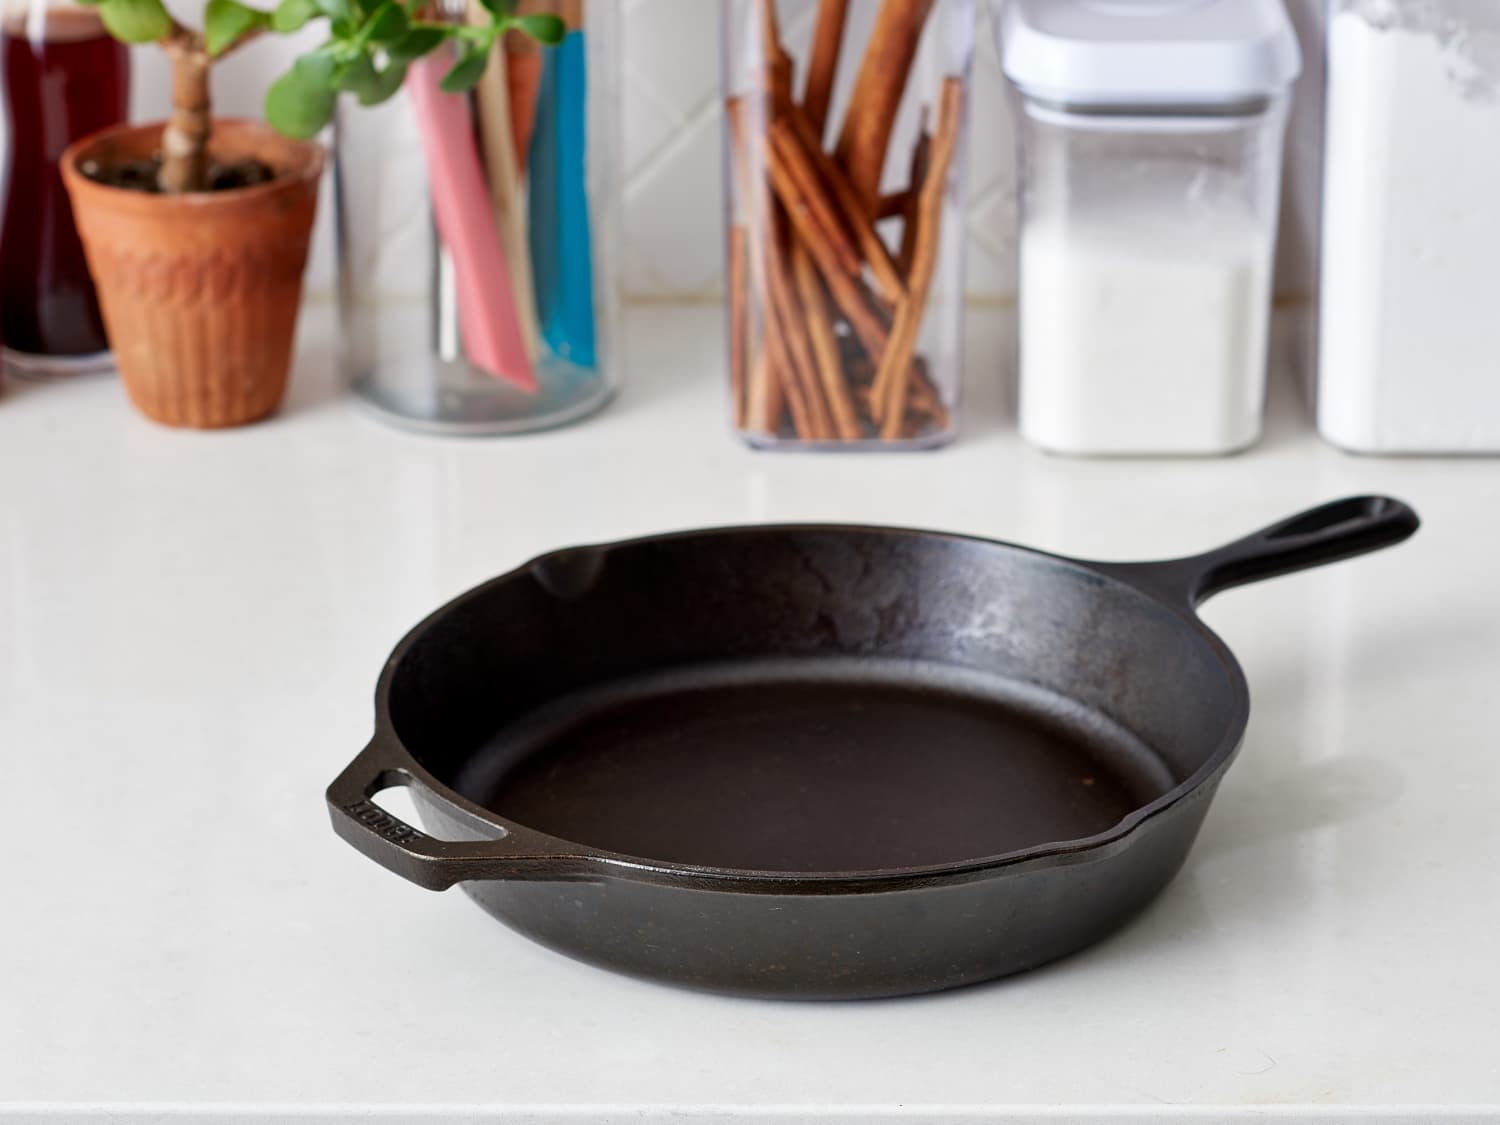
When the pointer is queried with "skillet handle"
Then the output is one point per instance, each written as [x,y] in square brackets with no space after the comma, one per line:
[1337,530]
[412,854]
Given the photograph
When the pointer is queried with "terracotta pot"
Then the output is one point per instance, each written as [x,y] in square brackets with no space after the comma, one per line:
[199,291]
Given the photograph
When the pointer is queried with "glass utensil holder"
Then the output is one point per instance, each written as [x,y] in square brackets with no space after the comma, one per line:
[477,237]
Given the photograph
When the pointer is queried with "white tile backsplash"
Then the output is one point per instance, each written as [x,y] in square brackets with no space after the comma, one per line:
[672,213]
[672,46]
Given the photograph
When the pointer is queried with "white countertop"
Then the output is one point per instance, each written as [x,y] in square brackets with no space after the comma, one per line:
[190,630]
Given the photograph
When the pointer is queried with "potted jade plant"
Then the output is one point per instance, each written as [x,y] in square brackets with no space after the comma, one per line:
[196,229]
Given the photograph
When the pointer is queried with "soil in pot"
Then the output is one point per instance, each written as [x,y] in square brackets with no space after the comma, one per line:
[143,175]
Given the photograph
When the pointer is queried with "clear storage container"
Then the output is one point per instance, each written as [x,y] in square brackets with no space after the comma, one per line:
[477,234]
[1151,146]
[1409,328]
[846,151]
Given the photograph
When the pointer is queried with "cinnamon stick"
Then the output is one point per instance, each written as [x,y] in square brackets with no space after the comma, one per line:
[792,378]
[888,279]
[739,319]
[817,421]
[825,346]
[796,182]
[893,375]
[763,402]
[883,73]
[786,333]
[766,390]
[850,294]
[778,62]
[777,386]
[770,29]
[921,160]
[925,409]
[893,205]
[823,63]
[791,365]
[754,198]
[926,412]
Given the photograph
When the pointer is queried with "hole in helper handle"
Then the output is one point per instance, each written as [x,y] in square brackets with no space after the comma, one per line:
[1338,530]
[414,855]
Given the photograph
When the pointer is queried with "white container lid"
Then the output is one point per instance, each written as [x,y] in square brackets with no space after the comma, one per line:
[1116,53]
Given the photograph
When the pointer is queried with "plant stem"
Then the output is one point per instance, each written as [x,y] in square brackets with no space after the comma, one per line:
[184,142]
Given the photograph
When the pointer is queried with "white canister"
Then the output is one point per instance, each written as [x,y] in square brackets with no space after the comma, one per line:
[1150,160]
[1409,325]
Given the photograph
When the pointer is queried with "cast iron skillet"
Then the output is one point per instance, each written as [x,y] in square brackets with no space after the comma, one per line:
[820,761]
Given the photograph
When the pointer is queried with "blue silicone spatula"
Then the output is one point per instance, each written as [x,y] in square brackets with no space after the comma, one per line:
[558,228]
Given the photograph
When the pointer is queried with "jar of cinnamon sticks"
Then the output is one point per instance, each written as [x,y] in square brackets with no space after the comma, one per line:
[846,137]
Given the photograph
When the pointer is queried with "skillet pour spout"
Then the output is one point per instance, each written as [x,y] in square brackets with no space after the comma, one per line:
[820,761]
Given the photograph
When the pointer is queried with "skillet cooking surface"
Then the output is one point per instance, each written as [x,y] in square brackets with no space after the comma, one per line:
[819,765]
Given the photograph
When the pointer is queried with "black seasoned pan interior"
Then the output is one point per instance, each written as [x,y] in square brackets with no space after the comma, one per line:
[814,766]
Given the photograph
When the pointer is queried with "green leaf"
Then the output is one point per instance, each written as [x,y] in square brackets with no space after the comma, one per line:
[334,9]
[386,83]
[370,85]
[501,9]
[388,25]
[543,27]
[292,15]
[315,66]
[466,72]
[415,43]
[301,101]
[136,21]
[342,52]
[224,21]
[355,75]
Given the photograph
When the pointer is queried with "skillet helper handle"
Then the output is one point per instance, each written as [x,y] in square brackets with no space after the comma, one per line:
[1338,530]
[411,853]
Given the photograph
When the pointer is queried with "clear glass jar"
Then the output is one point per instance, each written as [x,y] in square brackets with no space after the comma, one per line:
[1146,249]
[846,147]
[478,285]
[64,77]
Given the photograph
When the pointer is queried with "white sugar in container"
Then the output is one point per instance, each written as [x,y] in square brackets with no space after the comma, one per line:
[1150,162]
[1409,323]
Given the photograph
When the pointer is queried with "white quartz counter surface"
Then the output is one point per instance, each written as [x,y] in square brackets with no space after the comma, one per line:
[190,630]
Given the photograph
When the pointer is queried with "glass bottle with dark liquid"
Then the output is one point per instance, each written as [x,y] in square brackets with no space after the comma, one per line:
[64,77]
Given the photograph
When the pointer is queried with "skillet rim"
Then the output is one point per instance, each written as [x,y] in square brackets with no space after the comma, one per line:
[600,862]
